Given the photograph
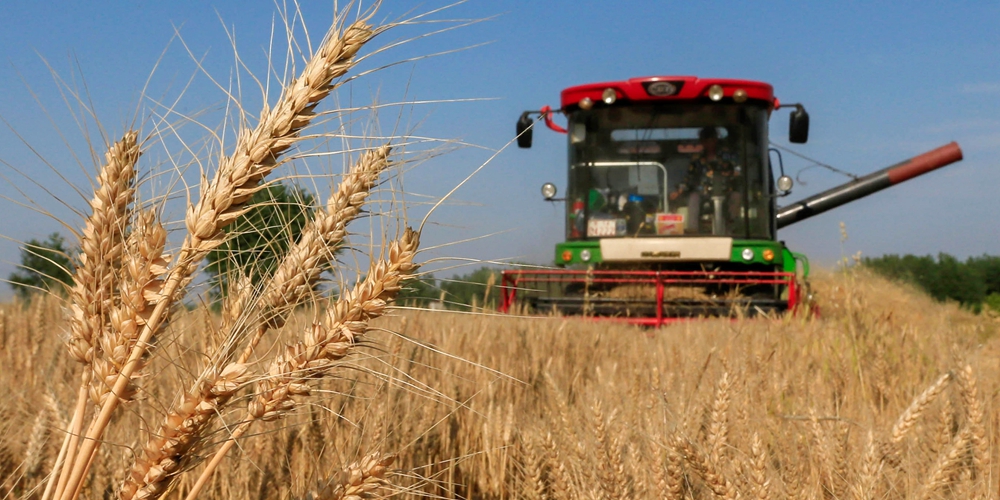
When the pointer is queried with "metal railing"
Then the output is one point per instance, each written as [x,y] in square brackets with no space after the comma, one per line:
[651,298]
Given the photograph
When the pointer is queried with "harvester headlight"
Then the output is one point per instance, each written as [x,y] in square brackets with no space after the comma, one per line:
[586,103]
[747,254]
[740,95]
[567,256]
[585,255]
[768,254]
[609,96]
[715,92]
[548,190]
[785,183]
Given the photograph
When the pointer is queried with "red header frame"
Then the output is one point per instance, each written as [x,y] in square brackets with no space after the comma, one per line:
[689,88]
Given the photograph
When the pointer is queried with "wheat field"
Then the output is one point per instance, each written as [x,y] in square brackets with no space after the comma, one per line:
[885,395]
[121,387]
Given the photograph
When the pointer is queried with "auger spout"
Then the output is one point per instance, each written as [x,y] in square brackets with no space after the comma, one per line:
[871,183]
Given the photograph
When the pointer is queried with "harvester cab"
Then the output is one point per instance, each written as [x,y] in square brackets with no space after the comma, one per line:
[671,202]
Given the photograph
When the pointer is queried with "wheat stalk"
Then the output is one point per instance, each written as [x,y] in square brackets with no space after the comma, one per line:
[871,470]
[291,284]
[534,482]
[295,277]
[361,480]
[909,417]
[94,278]
[144,264]
[101,247]
[718,429]
[977,431]
[323,344]
[944,472]
[670,472]
[760,486]
[223,199]
[716,481]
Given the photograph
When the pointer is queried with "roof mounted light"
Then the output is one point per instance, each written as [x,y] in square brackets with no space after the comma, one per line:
[740,95]
[609,96]
[586,103]
[715,92]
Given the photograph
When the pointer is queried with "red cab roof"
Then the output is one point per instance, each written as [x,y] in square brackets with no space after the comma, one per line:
[672,88]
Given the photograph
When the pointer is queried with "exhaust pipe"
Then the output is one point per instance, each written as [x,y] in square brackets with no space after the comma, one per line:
[871,183]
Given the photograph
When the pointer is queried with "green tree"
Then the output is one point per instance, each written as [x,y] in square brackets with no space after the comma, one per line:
[259,238]
[988,268]
[478,288]
[944,278]
[45,265]
[419,292]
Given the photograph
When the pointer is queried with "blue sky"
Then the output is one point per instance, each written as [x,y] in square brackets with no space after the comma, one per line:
[881,81]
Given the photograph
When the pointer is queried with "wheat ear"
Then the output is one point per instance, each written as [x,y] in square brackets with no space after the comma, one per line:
[944,468]
[718,429]
[222,200]
[974,412]
[670,473]
[717,482]
[144,264]
[295,277]
[324,344]
[94,277]
[912,413]
[290,286]
[760,485]
[361,480]
[871,470]
[101,247]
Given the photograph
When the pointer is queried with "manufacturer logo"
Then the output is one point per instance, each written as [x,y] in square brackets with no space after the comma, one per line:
[661,88]
[663,254]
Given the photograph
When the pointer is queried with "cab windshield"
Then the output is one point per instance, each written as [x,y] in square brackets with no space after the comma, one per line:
[654,170]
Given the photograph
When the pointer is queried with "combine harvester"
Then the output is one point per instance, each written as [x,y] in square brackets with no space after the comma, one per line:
[671,204]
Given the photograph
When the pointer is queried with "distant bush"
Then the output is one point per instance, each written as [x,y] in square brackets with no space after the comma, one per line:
[476,288]
[972,283]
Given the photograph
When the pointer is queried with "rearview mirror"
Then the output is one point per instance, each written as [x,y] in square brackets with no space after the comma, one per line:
[798,126]
[524,130]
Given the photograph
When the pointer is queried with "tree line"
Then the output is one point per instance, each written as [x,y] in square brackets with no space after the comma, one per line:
[257,241]
[973,283]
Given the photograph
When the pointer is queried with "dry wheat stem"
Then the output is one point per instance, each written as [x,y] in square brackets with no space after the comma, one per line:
[290,286]
[323,344]
[222,200]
